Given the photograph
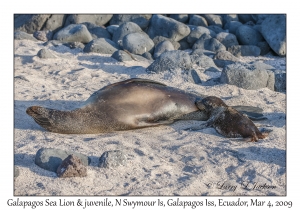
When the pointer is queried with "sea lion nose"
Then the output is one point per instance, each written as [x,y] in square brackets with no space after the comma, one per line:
[31,110]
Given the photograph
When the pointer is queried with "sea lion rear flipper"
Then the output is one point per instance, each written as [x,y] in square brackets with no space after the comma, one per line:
[249,139]
[253,113]
[248,109]
[265,130]
[256,118]
[200,127]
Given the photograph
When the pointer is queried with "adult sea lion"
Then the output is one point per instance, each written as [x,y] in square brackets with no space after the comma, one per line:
[130,104]
[229,122]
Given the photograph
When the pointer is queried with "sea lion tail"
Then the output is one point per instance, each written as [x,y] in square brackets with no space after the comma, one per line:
[40,116]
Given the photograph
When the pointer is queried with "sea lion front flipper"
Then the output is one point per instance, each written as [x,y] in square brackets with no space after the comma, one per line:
[253,113]
[199,127]
[241,139]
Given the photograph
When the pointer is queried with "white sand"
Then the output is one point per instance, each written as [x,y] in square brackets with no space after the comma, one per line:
[164,160]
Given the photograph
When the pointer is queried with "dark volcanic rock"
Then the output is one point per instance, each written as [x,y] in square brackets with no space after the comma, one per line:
[280,81]
[204,62]
[183,18]
[246,35]
[273,29]
[250,23]
[194,77]
[20,35]
[75,45]
[112,159]
[74,33]
[205,42]
[171,60]
[123,30]
[55,23]
[44,53]
[159,39]
[72,166]
[141,20]
[99,20]
[148,56]
[197,32]
[244,50]
[97,31]
[140,58]
[54,43]
[232,26]
[167,27]
[121,56]
[225,55]
[205,52]
[244,18]
[101,45]
[251,76]
[43,35]
[197,20]
[231,17]
[112,28]
[264,47]
[257,28]
[216,29]
[213,20]
[183,45]
[162,47]
[227,39]
[223,58]
[30,23]
[138,43]
[259,18]
[49,159]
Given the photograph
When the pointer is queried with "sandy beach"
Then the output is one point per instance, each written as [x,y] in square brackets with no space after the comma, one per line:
[163,160]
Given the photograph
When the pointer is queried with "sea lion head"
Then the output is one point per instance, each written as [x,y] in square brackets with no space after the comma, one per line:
[36,110]
[212,102]
[40,115]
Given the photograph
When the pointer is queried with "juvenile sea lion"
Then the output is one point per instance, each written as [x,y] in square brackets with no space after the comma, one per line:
[228,121]
[130,104]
